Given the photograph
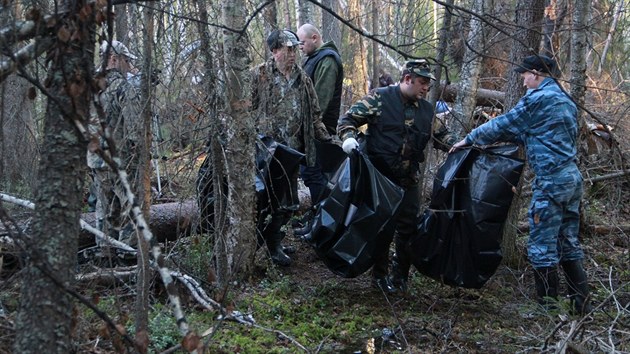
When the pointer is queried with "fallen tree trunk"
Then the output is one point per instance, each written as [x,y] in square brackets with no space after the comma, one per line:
[485,97]
[167,221]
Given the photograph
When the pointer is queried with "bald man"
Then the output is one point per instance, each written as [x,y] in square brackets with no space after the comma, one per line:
[323,65]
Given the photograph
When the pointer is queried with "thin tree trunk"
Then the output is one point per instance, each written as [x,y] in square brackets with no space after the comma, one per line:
[18,142]
[144,192]
[305,13]
[375,54]
[470,72]
[436,90]
[330,25]
[529,19]
[357,76]
[44,321]
[613,27]
[579,44]
[239,243]
[287,13]
[121,25]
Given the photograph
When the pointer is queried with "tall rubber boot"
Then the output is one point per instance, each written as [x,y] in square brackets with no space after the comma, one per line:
[276,250]
[401,264]
[273,237]
[380,278]
[546,280]
[577,287]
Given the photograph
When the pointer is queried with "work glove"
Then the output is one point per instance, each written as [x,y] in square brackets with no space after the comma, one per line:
[349,144]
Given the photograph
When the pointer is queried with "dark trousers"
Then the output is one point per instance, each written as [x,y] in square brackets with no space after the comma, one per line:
[405,225]
[316,181]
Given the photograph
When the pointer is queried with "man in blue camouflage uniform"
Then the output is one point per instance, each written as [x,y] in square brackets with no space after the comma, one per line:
[122,106]
[545,121]
[399,126]
[286,108]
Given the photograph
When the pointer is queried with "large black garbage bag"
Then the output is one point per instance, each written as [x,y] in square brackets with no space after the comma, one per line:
[275,180]
[355,218]
[277,167]
[329,157]
[459,236]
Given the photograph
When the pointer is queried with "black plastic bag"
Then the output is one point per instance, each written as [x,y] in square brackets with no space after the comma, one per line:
[459,236]
[275,180]
[277,167]
[355,218]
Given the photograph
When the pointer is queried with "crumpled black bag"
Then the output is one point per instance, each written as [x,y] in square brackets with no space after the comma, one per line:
[459,236]
[353,220]
[277,167]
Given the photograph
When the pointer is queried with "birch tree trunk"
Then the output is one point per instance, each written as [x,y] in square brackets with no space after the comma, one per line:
[471,69]
[528,18]
[579,44]
[238,245]
[44,318]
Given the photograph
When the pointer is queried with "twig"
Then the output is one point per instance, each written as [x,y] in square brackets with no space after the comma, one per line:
[84,225]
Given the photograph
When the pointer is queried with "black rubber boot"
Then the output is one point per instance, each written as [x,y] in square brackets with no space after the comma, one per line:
[577,287]
[380,278]
[400,271]
[305,225]
[276,251]
[546,279]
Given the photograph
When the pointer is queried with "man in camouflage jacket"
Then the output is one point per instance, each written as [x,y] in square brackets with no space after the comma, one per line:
[122,106]
[399,126]
[285,106]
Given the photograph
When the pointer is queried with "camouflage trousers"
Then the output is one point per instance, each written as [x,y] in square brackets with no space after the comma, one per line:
[554,219]
[113,208]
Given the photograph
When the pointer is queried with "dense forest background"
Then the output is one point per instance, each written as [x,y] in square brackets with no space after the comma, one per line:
[206,288]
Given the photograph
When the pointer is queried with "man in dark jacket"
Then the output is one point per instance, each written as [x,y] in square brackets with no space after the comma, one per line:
[399,125]
[323,65]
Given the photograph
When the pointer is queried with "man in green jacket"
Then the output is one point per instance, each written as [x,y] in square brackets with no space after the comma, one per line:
[323,65]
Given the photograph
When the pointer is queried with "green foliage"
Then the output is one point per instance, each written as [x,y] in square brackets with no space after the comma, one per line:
[196,254]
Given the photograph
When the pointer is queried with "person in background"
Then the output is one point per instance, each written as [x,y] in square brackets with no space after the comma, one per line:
[399,126]
[285,106]
[545,121]
[323,65]
[122,106]
[384,78]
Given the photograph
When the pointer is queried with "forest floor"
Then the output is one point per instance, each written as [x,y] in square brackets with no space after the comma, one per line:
[306,308]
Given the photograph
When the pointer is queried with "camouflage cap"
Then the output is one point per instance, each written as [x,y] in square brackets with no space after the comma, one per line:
[419,67]
[282,38]
[117,48]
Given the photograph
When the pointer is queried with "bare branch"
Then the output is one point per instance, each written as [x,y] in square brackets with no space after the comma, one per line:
[24,56]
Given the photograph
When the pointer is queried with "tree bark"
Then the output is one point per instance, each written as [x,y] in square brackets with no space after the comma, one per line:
[44,318]
[358,52]
[235,249]
[305,13]
[579,45]
[528,17]
[330,25]
[144,192]
[470,72]
[18,134]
